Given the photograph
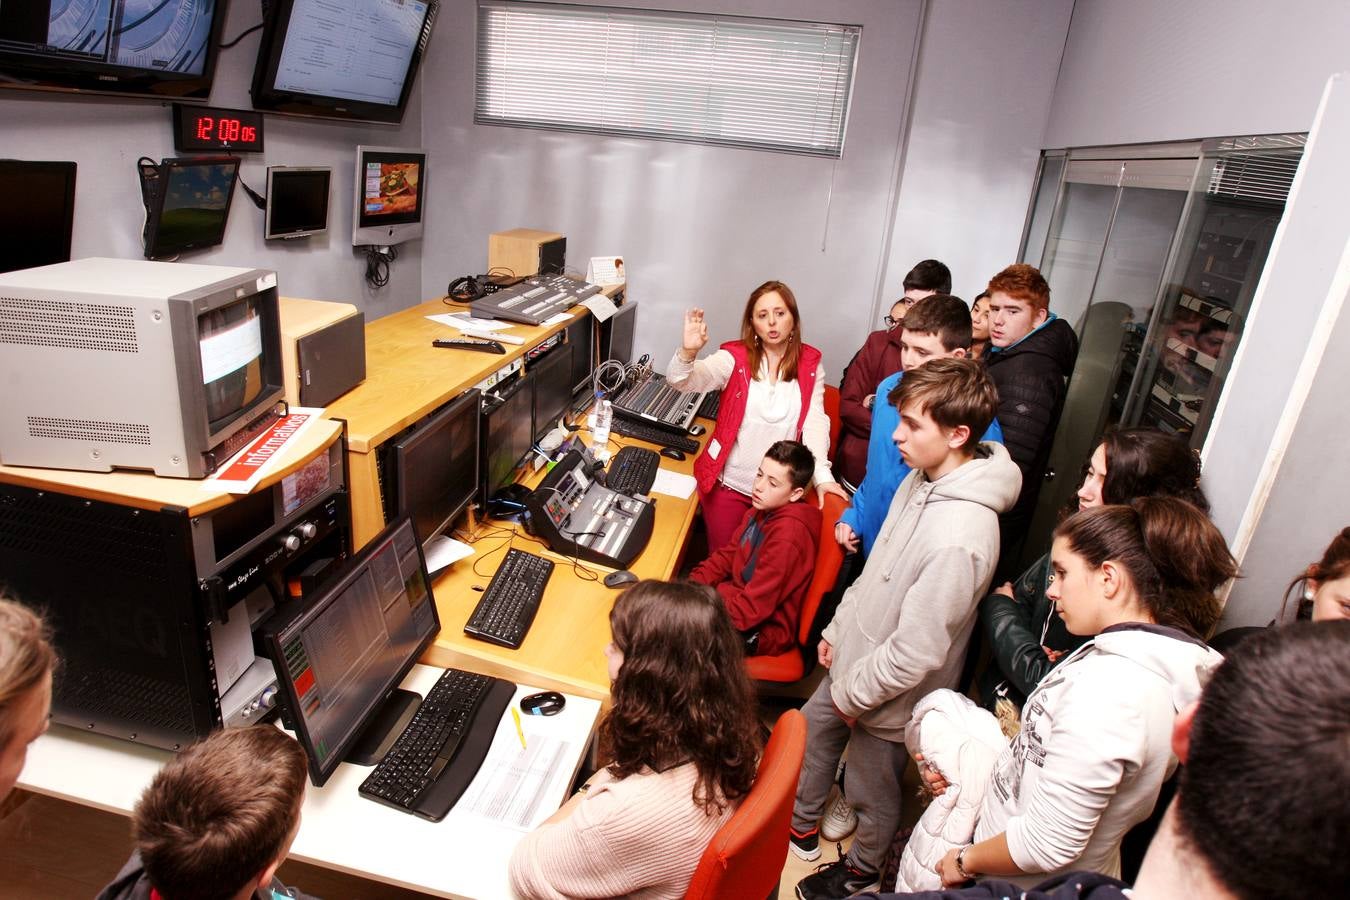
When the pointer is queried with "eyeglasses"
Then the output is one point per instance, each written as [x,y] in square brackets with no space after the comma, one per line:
[891,321]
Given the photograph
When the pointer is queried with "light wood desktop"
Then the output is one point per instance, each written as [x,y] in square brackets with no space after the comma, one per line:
[463,855]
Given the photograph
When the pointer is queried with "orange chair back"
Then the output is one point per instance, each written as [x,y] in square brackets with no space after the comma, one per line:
[832,410]
[745,857]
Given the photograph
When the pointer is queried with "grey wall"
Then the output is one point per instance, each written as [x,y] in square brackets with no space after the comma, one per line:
[106,136]
[704,225]
[1158,70]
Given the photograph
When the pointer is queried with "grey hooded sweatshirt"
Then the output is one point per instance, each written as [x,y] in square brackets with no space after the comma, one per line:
[902,629]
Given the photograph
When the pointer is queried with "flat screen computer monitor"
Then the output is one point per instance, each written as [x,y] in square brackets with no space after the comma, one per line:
[37,214]
[391,196]
[339,657]
[616,334]
[191,205]
[581,338]
[297,201]
[507,434]
[552,389]
[433,473]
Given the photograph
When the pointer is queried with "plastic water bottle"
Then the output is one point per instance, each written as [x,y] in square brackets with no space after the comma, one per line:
[604,416]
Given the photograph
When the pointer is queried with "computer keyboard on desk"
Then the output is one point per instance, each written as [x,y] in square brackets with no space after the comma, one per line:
[440,750]
[506,610]
[708,408]
[653,435]
[633,471]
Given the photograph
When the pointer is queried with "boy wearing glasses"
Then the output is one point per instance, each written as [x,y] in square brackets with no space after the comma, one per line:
[878,358]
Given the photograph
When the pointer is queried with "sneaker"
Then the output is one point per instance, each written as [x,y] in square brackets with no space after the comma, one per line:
[836,879]
[840,820]
[805,846]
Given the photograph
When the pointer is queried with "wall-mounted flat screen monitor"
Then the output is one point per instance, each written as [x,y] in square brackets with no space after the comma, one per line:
[342,59]
[37,214]
[297,201]
[189,205]
[339,656]
[164,49]
[391,194]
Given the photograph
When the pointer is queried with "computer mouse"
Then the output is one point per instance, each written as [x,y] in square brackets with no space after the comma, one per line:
[545,703]
[696,430]
[619,578]
[671,453]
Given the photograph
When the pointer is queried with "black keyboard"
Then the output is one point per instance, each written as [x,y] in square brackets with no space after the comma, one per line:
[708,408]
[633,471]
[653,435]
[442,746]
[508,606]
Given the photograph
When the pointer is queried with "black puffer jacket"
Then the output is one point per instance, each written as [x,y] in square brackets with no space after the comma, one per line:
[1031,377]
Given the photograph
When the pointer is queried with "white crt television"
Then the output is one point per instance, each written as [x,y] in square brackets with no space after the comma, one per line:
[109,363]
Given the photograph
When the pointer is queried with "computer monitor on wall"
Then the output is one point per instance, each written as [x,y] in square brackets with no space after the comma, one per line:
[36,231]
[391,196]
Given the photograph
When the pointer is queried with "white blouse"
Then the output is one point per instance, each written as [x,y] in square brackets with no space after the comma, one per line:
[772,410]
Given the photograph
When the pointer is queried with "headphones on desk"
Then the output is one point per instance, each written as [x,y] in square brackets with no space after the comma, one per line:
[466,289]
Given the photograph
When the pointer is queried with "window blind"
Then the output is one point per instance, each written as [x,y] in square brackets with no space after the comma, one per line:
[758,83]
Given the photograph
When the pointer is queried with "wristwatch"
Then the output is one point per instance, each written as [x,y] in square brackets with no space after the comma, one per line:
[961,863]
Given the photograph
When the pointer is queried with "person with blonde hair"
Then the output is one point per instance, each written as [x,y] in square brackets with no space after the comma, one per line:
[27,661]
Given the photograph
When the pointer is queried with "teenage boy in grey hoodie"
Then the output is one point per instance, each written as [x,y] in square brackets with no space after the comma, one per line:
[902,628]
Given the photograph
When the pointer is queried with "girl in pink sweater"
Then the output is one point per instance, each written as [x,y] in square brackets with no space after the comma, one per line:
[683,743]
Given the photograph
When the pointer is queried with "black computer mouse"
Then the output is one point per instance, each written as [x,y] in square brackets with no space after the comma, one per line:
[696,430]
[671,453]
[619,578]
[545,703]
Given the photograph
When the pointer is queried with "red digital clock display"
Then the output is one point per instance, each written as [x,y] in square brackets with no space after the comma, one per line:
[209,128]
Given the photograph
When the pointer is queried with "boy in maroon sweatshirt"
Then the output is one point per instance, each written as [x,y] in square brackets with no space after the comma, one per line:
[763,573]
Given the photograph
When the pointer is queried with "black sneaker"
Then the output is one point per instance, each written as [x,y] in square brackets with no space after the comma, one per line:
[836,879]
[805,846]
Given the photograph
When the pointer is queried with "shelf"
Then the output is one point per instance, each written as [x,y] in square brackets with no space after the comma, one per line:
[1186,351]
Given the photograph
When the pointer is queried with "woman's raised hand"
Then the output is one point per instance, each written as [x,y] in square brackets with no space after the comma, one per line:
[695,332]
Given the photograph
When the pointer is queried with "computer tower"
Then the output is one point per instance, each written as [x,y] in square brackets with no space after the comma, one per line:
[527,251]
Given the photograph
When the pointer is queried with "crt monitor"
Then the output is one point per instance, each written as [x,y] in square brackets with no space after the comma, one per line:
[339,655]
[433,468]
[342,59]
[187,203]
[391,196]
[616,334]
[507,433]
[38,213]
[297,201]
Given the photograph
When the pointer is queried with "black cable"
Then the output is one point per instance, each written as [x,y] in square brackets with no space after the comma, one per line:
[377,265]
[258,200]
[245,34]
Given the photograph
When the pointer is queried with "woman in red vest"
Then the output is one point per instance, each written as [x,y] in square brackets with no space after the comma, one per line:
[773,389]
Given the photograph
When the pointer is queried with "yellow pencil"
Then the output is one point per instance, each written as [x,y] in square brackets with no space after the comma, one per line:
[520,732]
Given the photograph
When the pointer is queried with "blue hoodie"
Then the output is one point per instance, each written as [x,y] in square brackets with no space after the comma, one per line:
[885,468]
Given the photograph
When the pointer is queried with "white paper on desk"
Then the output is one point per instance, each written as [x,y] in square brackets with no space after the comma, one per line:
[443,551]
[464,320]
[600,306]
[514,784]
[247,467]
[673,484]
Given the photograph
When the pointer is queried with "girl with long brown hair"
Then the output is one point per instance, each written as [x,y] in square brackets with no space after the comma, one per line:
[1095,743]
[681,741]
[773,389]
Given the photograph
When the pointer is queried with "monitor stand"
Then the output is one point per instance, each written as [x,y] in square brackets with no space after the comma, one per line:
[384,727]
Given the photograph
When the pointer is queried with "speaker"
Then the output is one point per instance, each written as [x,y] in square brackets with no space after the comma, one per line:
[323,350]
[527,251]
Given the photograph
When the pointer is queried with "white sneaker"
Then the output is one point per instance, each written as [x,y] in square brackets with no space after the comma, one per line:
[840,820]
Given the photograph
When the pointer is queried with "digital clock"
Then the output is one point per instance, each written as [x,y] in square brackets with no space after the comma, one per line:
[212,128]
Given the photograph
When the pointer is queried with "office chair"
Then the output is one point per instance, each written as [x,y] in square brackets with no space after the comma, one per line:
[832,411]
[795,664]
[745,857]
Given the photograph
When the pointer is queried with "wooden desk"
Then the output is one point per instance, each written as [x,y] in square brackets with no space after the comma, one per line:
[564,649]
[406,378]
[463,855]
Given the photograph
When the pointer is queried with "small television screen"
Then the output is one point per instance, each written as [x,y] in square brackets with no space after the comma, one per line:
[231,342]
[190,205]
[164,49]
[340,656]
[507,435]
[391,190]
[435,467]
[342,59]
[297,201]
[35,231]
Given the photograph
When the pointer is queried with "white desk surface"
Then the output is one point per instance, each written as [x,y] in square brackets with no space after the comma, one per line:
[461,856]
